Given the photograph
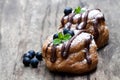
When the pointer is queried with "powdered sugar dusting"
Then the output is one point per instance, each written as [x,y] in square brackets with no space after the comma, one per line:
[76,16]
[94,13]
[79,38]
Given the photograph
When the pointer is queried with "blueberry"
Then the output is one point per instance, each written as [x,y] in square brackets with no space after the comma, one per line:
[71,33]
[55,36]
[34,62]
[32,53]
[67,10]
[39,56]
[65,30]
[27,55]
[26,61]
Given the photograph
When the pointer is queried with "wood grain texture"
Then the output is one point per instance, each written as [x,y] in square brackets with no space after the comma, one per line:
[25,24]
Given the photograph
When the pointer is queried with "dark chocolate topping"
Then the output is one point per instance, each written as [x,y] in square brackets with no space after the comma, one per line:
[68,25]
[87,45]
[96,32]
[71,17]
[62,51]
[85,20]
[80,19]
[69,20]
[53,54]
[47,48]
[66,51]
[62,21]
[87,56]
[87,42]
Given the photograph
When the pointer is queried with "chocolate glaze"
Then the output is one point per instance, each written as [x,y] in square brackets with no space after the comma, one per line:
[83,26]
[71,17]
[62,21]
[96,32]
[85,20]
[66,50]
[87,56]
[62,50]
[87,46]
[47,48]
[68,25]
[53,54]
[80,19]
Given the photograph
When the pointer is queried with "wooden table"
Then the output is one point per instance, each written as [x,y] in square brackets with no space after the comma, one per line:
[25,24]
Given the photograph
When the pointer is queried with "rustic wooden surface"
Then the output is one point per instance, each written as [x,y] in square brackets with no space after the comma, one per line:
[25,24]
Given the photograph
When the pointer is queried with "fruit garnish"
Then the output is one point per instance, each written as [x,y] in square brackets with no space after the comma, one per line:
[67,11]
[65,30]
[71,33]
[78,10]
[55,36]
[61,38]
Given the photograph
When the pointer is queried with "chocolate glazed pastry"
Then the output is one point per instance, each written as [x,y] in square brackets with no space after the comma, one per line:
[77,55]
[92,21]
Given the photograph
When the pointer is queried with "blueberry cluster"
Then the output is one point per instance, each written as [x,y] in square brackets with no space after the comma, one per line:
[32,58]
[65,31]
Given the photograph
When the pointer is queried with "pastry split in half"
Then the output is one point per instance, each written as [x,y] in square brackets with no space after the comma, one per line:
[73,49]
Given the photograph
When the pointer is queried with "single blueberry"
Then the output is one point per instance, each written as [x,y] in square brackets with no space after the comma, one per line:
[67,11]
[65,30]
[26,61]
[27,55]
[32,53]
[34,62]
[71,33]
[55,36]
[39,56]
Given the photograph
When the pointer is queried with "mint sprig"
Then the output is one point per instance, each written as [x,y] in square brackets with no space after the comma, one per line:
[78,10]
[61,38]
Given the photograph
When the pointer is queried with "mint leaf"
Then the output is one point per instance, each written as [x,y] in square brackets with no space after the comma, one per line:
[77,10]
[60,35]
[66,37]
[56,41]
[61,38]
